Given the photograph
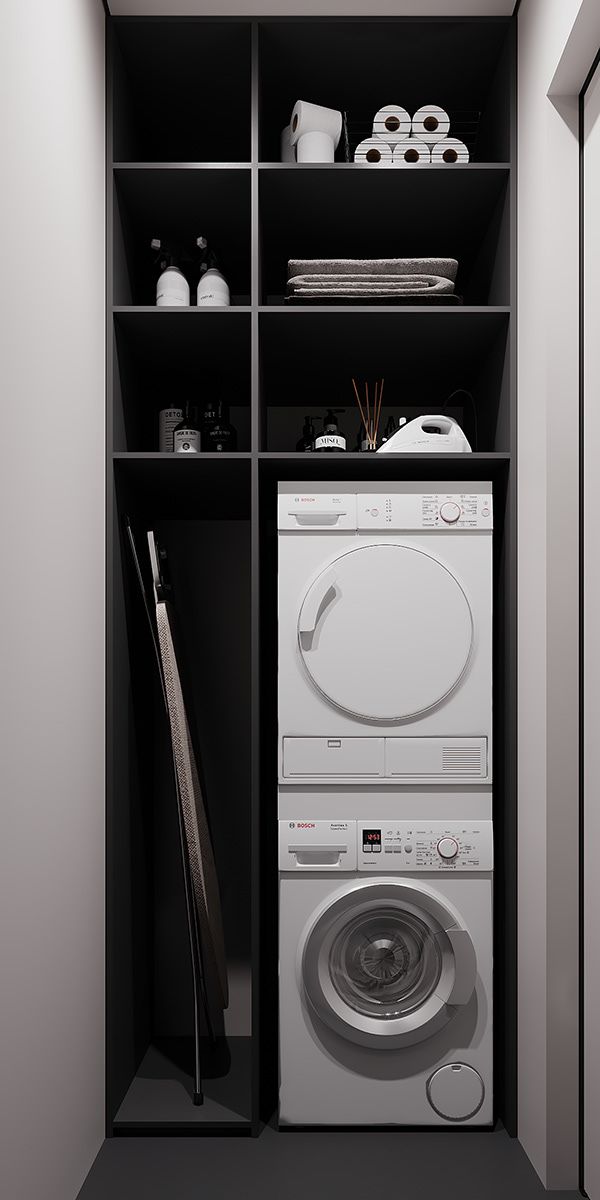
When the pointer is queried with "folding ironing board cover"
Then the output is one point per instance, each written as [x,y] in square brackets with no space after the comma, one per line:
[197,836]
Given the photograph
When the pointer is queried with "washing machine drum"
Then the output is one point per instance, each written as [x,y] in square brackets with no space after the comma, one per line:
[385,632]
[387,963]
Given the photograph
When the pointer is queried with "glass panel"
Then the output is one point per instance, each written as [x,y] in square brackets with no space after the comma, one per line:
[385,964]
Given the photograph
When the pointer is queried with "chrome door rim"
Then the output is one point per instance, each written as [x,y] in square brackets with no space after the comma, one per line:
[417,906]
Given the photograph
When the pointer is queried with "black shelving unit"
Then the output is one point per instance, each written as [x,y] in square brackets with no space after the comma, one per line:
[195,110]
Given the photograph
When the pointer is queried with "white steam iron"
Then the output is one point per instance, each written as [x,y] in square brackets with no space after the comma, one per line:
[427,434]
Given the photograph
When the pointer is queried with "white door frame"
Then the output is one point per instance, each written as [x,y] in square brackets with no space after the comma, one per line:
[557,40]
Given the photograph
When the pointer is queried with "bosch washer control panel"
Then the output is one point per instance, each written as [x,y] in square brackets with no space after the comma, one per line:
[424,846]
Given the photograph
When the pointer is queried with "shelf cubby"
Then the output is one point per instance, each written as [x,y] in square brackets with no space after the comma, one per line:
[164,355]
[389,214]
[308,360]
[200,512]
[179,205]
[181,90]
[358,66]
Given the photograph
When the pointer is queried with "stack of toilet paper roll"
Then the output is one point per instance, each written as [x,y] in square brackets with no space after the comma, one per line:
[372,280]
[401,141]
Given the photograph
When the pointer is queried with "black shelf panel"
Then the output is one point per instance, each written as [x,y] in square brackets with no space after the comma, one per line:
[181,89]
[389,214]
[307,366]
[178,205]
[380,467]
[160,1097]
[360,166]
[182,487]
[358,65]
[181,166]
[167,356]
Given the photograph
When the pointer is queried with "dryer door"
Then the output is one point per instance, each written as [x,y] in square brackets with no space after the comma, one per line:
[385,632]
[385,963]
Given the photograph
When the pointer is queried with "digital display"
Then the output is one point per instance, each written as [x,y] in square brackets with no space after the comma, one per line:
[371,836]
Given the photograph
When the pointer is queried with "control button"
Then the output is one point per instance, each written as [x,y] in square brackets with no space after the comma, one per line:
[447,847]
[450,512]
[367,849]
[485,512]
[397,849]
[389,849]
[408,849]
[376,849]
[374,512]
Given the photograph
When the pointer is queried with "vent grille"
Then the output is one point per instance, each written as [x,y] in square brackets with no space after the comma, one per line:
[463,760]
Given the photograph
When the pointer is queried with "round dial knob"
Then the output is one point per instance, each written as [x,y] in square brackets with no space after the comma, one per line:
[447,847]
[450,512]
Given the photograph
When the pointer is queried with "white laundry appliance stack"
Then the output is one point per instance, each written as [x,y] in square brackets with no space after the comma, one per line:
[385,805]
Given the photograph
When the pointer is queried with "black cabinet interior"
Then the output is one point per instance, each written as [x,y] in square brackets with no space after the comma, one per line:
[196,108]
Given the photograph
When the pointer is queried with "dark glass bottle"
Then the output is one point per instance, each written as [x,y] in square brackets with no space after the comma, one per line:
[307,441]
[219,434]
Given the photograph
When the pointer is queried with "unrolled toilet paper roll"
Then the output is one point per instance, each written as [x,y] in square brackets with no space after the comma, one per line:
[392,123]
[431,123]
[374,151]
[411,153]
[315,131]
[288,154]
[450,150]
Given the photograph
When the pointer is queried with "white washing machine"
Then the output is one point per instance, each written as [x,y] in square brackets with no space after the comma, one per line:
[385,634]
[385,972]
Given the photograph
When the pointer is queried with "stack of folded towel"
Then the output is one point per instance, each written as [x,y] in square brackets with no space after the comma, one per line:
[372,280]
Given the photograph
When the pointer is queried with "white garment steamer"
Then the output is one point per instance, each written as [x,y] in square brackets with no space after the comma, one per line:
[426,434]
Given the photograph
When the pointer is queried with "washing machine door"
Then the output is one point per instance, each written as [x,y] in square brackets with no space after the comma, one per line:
[385,632]
[386,963]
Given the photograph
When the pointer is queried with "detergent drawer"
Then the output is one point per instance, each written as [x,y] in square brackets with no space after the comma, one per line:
[442,758]
[306,758]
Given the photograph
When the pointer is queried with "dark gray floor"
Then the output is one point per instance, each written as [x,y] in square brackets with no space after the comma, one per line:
[315,1166]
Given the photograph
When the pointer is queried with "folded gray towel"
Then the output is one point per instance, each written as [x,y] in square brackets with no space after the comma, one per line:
[444,267]
[364,283]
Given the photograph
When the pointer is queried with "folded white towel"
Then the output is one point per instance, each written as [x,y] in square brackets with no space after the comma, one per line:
[391,283]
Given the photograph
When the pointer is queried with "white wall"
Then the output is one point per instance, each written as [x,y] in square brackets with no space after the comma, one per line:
[52,489]
[548,596]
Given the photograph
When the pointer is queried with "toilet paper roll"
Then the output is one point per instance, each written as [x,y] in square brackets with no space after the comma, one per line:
[450,151]
[315,131]
[374,151]
[392,123]
[431,123]
[411,153]
[287,151]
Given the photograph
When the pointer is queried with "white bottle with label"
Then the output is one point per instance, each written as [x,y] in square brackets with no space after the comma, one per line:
[186,436]
[213,289]
[168,419]
[330,439]
[172,289]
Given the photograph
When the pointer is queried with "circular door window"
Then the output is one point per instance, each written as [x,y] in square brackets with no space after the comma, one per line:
[385,964]
[385,632]
[378,965]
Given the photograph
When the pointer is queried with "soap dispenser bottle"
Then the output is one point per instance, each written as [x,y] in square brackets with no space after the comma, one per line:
[307,442]
[213,289]
[330,440]
[172,287]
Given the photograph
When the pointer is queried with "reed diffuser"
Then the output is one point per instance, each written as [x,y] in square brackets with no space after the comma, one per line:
[370,411]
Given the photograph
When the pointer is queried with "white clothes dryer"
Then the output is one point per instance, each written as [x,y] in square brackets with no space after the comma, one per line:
[385,634]
[385,972]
